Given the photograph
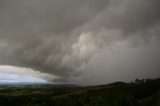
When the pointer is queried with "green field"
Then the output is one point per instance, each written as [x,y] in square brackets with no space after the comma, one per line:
[138,93]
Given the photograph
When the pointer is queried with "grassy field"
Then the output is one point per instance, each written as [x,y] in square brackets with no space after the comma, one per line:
[138,93]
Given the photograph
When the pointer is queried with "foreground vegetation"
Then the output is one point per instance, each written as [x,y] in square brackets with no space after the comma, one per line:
[138,93]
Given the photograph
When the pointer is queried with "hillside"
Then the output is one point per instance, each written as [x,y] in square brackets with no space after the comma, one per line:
[138,93]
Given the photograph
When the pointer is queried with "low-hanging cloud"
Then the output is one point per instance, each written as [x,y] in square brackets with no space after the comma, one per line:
[59,37]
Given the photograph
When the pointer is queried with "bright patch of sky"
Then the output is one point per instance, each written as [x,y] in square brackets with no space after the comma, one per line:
[13,78]
[13,74]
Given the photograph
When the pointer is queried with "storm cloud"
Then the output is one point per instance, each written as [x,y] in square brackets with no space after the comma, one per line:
[63,37]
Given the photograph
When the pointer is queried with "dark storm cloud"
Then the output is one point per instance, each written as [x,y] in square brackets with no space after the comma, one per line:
[134,15]
[38,33]
[60,36]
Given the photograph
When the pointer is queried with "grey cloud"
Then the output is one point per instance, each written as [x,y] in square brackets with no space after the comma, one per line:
[60,36]
[120,62]
[130,16]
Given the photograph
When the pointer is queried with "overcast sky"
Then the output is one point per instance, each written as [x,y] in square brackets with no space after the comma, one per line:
[81,41]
